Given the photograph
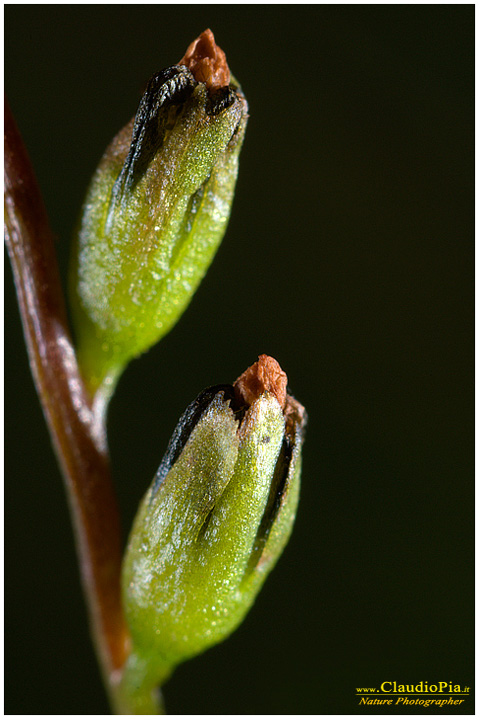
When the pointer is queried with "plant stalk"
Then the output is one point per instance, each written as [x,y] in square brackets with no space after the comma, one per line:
[78,432]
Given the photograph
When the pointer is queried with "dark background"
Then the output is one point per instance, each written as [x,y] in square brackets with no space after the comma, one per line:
[349,258]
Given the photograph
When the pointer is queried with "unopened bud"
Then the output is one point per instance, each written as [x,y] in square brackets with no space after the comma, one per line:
[215,520]
[156,211]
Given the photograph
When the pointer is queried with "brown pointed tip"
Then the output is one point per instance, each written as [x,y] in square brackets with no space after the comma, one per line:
[207,62]
[265,375]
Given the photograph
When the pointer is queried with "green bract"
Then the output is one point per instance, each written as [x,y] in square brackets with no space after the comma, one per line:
[210,528]
[154,215]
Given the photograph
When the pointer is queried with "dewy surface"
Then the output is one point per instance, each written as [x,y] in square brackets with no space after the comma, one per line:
[155,213]
[211,528]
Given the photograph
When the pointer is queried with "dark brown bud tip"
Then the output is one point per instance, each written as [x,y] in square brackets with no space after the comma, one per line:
[295,417]
[265,375]
[207,62]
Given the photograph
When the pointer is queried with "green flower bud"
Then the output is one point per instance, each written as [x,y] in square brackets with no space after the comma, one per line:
[156,211]
[214,522]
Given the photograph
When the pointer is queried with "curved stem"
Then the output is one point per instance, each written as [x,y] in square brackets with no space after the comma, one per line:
[77,432]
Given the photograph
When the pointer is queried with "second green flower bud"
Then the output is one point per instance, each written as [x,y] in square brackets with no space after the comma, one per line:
[214,521]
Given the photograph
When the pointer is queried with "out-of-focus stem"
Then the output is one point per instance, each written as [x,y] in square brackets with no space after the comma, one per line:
[77,432]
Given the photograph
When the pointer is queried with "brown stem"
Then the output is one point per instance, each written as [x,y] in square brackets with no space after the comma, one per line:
[77,433]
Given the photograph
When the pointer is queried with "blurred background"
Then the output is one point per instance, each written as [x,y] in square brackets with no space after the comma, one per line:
[349,258]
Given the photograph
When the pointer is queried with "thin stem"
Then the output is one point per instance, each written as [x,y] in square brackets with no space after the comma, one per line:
[139,691]
[78,433]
